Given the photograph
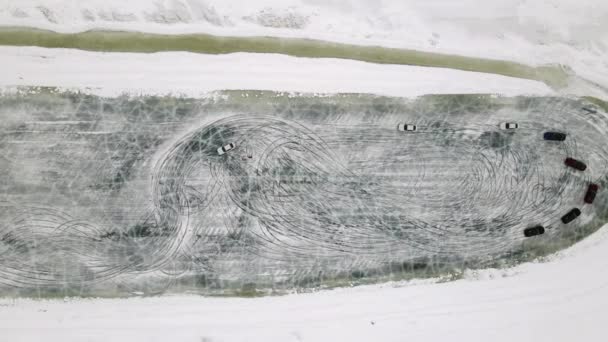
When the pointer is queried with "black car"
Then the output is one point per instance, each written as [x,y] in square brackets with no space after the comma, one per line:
[532,231]
[590,110]
[554,136]
[576,164]
[591,192]
[571,215]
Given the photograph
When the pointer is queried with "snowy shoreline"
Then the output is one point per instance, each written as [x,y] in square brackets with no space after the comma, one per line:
[194,75]
[564,32]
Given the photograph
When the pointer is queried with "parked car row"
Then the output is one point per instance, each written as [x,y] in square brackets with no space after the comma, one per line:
[571,215]
[567,218]
[589,195]
[577,165]
[407,127]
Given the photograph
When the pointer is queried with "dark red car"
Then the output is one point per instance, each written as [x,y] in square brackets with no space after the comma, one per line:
[576,164]
[591,192]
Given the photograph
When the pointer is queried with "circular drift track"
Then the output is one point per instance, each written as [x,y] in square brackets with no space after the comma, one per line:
[342,195]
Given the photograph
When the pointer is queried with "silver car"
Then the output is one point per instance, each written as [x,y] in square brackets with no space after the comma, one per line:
[224,149]
[403,127]
[508,125]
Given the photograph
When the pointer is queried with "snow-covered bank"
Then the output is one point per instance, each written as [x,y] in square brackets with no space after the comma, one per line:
[564,299]
[191,74]
[568,32]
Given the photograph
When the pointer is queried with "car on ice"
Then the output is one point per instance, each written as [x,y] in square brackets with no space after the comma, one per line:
[554,136]
[591,192]
[508,125]
[590,110]
[571,215]
[532,231]
[576,164]
[403,127]
[224,149]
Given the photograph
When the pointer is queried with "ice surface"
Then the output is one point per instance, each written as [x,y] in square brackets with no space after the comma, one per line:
[106,196]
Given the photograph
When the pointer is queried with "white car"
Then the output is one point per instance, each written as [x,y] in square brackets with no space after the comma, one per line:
[508,125]
[224,149]
[406,127]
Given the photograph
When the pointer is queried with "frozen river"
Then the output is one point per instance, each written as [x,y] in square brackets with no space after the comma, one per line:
[112,196]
